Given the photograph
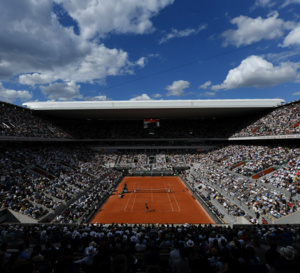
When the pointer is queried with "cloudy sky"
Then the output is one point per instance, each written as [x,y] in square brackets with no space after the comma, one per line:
[68,50]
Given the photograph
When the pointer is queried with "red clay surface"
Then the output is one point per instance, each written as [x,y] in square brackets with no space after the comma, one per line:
[177,206]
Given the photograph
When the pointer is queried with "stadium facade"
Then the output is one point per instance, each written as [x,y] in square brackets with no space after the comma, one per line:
[163,109]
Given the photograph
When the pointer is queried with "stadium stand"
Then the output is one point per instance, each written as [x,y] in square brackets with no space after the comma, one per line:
[150,248]
[283,121]
[21,122]
[57,173]
[18,121]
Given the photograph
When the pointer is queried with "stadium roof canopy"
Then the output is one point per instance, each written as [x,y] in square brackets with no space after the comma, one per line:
[163,109]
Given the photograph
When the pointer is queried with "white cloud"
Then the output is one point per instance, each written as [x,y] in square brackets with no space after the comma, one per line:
[254,71]
[208,94]
[205,85]
[101,97]
[62,91]
[141,97]
[177,88]
[10,95]
[251,30]
[97,64]
[36,48]
[157,95]
[293,38]
[264,3]
[97,18]
[281,56]
[97,98]
[35,45]
[288,2]
[141,62]
[181,33]
[296,94]
[35,78]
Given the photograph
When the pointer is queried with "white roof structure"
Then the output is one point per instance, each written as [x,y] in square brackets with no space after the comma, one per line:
[164,109]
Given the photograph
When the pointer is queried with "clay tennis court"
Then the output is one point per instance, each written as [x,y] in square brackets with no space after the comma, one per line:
[168,199]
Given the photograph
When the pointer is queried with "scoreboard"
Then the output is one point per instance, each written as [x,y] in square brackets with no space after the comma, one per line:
[151,122]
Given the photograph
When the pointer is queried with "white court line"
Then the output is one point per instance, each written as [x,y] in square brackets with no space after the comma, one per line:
[151,195]
[129,198]
[174,197]
[169,197]
[156,210]
[153,202]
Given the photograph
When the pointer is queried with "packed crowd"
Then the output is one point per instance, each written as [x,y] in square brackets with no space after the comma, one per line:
[284,120]
[151,161]
[217,185]
[252,159]
[88,203]
[142,162]
[160,162]
[176,160]
[33,193]
[152,248]
[207,200]
[226,177]
[285,177]
[21,122]
[227,174]
[109,159]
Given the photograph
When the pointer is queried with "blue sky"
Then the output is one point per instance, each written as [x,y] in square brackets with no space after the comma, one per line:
[69,50]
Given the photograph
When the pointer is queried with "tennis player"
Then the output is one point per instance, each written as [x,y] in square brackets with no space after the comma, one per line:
[147,208]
